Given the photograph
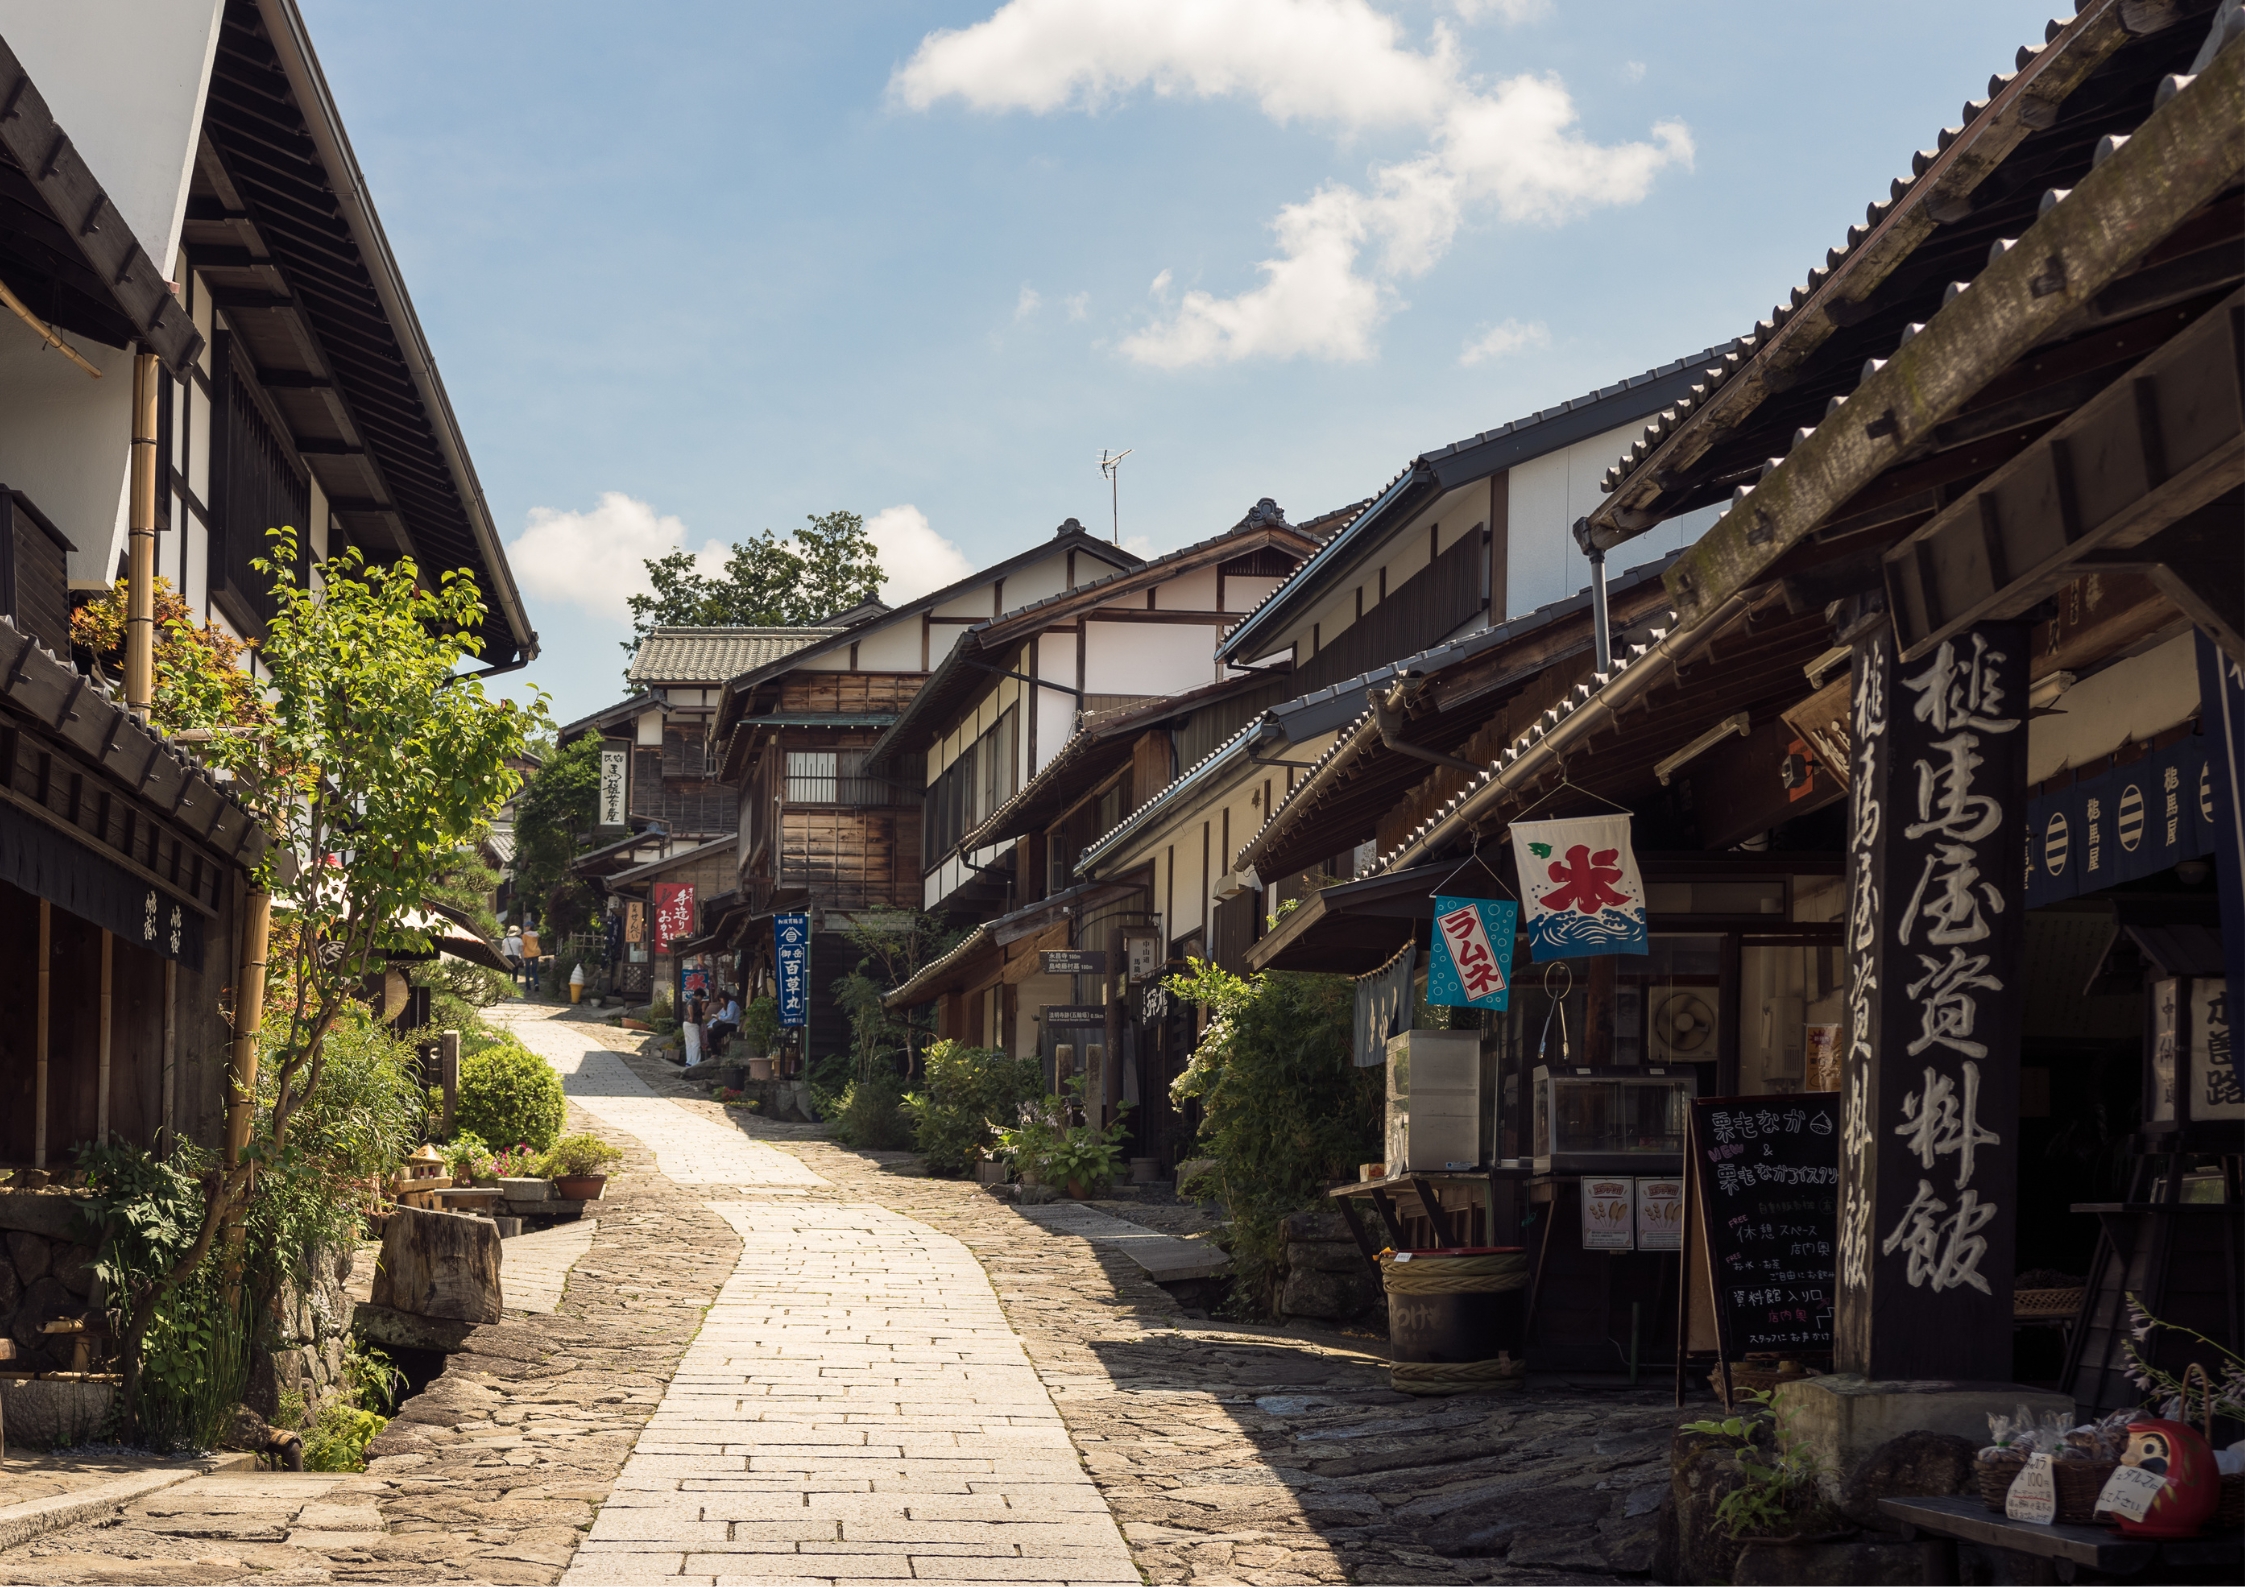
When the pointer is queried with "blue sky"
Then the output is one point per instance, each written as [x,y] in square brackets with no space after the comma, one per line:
[696,270]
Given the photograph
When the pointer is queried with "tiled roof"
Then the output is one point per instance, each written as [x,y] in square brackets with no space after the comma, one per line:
[712,655]
[1475,457]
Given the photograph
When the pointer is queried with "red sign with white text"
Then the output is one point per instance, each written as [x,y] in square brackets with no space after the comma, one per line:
[674,913]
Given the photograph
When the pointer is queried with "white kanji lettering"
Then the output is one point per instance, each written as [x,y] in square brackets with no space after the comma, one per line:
[1946,1007]
[1941,1119]
[1943,1251]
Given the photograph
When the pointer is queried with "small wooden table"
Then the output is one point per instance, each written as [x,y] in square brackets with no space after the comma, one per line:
[1425,1189]
[2068,1548]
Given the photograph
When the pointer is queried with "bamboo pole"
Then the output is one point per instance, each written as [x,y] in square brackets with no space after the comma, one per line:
[140,609]
[46,331]
[249,1017]
[101,1075]
[39,1087]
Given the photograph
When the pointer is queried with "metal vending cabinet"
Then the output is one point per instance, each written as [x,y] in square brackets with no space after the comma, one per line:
[1434,1101]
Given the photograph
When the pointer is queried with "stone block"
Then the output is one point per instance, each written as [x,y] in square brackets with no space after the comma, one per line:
[45,1414]
[1308,1292]
[440,1264]
[44,1299]
[1320,1226]
[74,1267]
[1916,1465]
[397,1330]
[11,1287]
[1859,1562]
[52,1213]
[33,1255]
[1846,1419]
[1327,1256]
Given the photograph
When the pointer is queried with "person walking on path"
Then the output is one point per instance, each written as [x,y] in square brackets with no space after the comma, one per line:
[530,955]
[511,950]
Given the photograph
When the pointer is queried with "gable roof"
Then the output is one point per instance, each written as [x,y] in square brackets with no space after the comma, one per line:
[1071,536]
[712,655]
[1431,474]
[338,347]
[961,675]
[609,716]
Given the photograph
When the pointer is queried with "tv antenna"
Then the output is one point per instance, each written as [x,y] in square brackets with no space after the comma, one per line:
[1110,466]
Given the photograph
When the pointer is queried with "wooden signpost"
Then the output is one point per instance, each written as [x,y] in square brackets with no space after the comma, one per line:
[1761,1211]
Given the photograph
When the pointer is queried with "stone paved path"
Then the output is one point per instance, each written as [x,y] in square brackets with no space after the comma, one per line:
[536,1266]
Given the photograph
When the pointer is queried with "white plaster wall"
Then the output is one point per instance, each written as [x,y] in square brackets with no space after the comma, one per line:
[889,647]
[66,442]
[1244,594]
[1547,494]
[1147,658]
[1188,592]
[1043,577]
[126,79]
[1038,993]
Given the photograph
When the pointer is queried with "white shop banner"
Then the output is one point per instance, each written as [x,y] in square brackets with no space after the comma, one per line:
[1583,893]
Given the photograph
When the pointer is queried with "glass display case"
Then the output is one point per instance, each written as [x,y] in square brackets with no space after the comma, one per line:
[1610,1121]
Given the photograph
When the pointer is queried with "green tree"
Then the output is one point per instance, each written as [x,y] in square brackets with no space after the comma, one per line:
[381,756]
[828,566]
[1283,1109]
[553,816]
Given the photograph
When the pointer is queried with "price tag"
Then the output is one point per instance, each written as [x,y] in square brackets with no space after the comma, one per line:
[2129,1492]
[2034,1493]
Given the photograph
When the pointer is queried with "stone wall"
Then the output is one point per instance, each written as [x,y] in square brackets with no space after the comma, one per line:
[45,1273]
[1324,1272]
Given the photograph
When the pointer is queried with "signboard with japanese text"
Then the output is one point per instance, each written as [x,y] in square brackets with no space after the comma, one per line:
[615,786]
[1930,1043]
[2214,1091]
[1142,953]
[791,968]
[1764,1174]
[1608,1213]
[1072,961]
[34,857]
[674,913]
[2221,799]
[1073,1017]
[1584,896]
[1471,966]
[635,922]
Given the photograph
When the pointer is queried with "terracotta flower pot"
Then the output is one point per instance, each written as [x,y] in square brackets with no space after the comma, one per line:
[760,1069]
[579,1187]
[1082,1189]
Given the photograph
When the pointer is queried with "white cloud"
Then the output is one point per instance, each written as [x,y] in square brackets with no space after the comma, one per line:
[1512,12]
[595,560]
[1633,71]
[1159,287]
[914,558]
[1503,339]
[1079,305]
[1512,146]
[1026,304]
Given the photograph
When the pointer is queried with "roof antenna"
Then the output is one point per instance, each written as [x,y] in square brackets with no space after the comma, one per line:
[1110,465]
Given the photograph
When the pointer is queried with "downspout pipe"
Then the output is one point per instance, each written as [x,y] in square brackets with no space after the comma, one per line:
[1601,621]
[1386,716]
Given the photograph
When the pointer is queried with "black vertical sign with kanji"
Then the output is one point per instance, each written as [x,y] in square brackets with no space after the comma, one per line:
[1929,1134]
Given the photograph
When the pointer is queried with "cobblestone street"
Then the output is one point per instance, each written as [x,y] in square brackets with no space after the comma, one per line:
[778,1360]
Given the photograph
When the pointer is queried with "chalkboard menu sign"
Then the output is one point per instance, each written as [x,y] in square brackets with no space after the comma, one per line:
[1765,1177]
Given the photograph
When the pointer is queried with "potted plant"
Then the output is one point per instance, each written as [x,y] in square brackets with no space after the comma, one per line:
[578,1166]
[760,1028]
[1052,1146]
[470,1160]
[520,1173]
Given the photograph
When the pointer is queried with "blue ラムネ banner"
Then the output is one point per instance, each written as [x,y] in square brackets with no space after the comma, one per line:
[791,954]
[1471,966]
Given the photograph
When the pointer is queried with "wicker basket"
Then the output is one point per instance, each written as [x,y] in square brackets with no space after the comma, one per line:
[1996,1469]
[2079,1482]
[2046,1305]
[2229,1508]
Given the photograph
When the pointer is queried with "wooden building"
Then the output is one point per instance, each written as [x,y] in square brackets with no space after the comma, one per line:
[821,829]
[211,335]
[1909,750]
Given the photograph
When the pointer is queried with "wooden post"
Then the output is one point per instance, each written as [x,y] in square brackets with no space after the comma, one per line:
[140,595]
[39,1037]
[171,1055]
[1598,1011]
[101,1073]
[448,1072]
[1936,904]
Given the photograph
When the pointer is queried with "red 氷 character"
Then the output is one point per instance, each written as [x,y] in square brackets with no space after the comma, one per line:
[1586,878]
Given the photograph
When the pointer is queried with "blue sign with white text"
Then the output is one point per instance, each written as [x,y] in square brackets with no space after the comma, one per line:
[791,955]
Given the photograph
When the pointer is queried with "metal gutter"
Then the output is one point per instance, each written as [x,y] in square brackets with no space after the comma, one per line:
[1544,748]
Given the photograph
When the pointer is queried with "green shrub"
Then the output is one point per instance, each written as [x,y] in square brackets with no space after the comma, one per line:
[1283,1109]
[510,1095]
[870,1114]
[1055,1145]
[966,1096]
[575,1155]
[338,1440]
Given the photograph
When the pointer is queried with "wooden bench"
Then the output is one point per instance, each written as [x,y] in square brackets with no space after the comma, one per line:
[2070,1549]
